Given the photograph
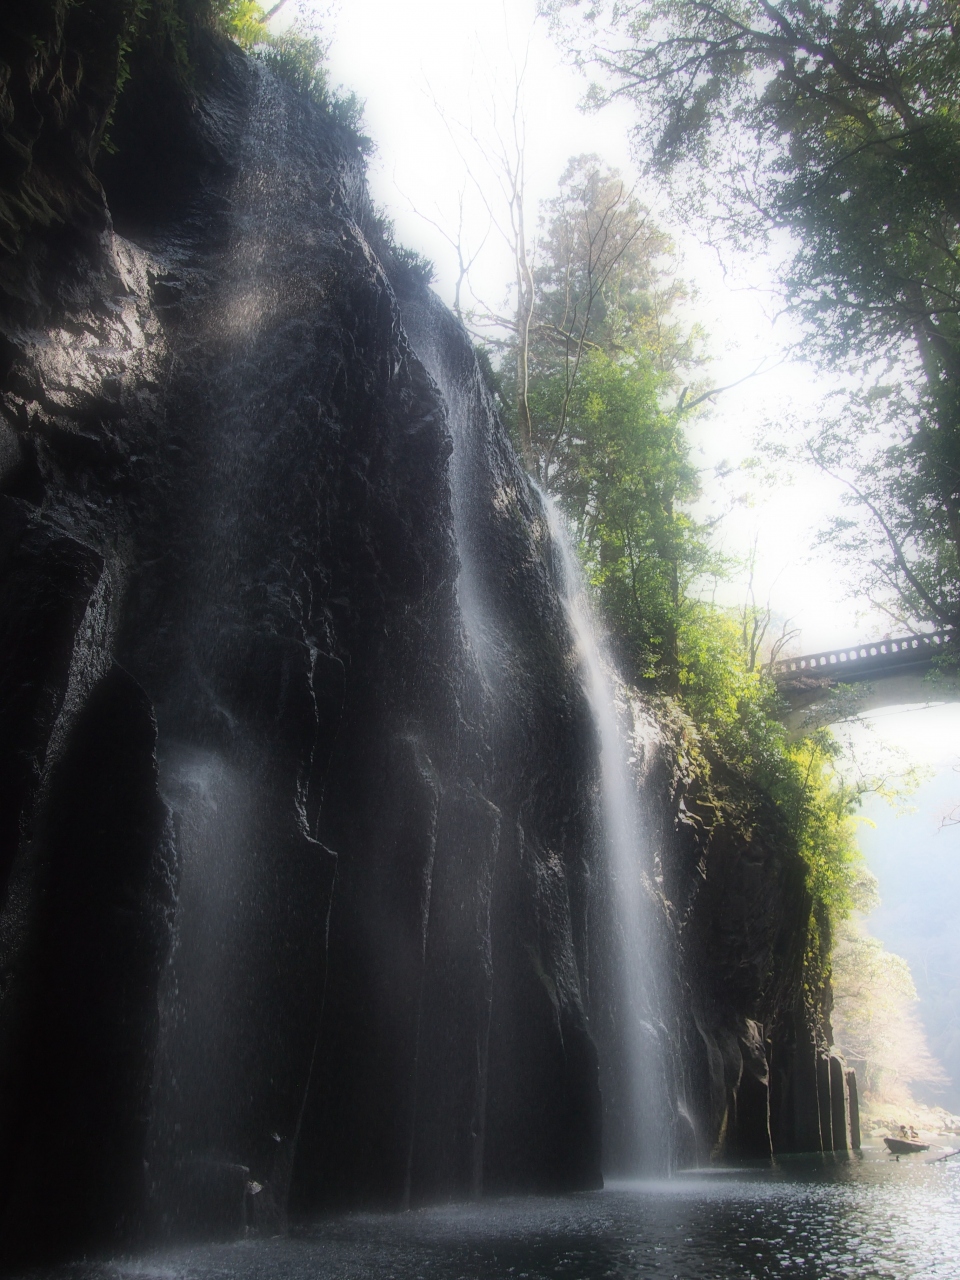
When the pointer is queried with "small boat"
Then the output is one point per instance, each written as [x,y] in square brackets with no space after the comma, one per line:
[903,1147]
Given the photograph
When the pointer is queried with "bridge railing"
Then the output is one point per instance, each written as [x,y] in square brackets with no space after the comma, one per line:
[855,662]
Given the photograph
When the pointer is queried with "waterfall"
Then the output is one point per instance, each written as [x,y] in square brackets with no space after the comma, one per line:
[630,1020]
[470,419]
[256,883]
[627,1000]
[466,410]
[353,871]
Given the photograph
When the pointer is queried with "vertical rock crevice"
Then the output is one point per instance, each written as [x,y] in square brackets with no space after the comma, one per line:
[300,824]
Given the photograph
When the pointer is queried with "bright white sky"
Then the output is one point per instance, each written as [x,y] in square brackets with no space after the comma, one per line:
[427,69]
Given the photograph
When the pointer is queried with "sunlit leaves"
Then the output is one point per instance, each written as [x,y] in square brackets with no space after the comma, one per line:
[840,125]
[606,410]
[610,427]
[737,713]
[874,1017]
[244,21]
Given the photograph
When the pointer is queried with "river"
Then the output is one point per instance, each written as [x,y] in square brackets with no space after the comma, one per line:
[865,1217]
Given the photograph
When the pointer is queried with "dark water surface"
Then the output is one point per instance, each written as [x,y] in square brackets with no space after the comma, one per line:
[864,1218]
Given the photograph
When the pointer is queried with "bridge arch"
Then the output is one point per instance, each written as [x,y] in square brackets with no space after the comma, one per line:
[895,673]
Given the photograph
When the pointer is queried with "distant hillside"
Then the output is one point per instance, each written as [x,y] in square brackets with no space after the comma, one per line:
[918,866]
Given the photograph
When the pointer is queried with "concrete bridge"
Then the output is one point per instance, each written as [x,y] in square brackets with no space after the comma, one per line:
[894,672]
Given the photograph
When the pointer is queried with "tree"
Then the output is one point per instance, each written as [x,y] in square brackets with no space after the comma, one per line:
[875,1019]
[495,165]
[757,639]
[596,282]
[602,282]
[905,552]
[606,408]
[625,481]
[609,402]
[839,123]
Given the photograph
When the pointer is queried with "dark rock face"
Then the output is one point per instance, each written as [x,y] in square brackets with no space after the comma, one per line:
[757,1074]
[100,940]
[54,98]
[305,902]
[296,887]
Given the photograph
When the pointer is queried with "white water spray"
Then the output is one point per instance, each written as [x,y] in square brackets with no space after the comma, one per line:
[638,1105]
[255,881]
[635,1053]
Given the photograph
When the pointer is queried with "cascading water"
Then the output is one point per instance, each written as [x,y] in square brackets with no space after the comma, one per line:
[249,968]
[467,411]
[254,612]
[635,1053]
[523,695]
[251,905]
[627,1005]
[454,1056]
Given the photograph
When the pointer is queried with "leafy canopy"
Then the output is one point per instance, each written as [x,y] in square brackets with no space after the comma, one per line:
[602,416]
[610,398]
[838,123]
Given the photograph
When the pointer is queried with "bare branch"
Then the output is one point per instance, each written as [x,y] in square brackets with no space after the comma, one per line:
[900,560]
[684,405]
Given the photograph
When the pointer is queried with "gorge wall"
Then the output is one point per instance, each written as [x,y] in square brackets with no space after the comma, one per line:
[305,901]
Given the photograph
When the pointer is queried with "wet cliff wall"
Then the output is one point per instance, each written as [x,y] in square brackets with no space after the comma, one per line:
[293,888]
[746,957]
[304,897]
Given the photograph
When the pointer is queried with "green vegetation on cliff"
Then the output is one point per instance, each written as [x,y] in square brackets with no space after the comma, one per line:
[838,124]
[614,379]
[296,56]
[828,135]
[68,66]
[761,784]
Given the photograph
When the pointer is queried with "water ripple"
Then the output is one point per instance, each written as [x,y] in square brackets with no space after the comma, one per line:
[868,1219]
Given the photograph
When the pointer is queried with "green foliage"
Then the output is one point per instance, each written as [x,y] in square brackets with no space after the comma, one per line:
[243,21]
[605,410]
[905,554]
[152,29]
[752,765]
[609,419]
[169,29]
[603,275]
[298,60]
[623,478]
[404,267]
[411,265]
[823,810]
[295,56]
[841,124]
[875,1020]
